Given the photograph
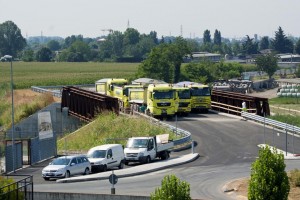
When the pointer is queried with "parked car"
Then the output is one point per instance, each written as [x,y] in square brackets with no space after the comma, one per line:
[66,166]
[106,157]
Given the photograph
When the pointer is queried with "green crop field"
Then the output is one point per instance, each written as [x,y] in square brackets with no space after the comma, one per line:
[27,74]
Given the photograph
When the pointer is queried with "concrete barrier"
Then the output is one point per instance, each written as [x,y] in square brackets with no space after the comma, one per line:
[80,196]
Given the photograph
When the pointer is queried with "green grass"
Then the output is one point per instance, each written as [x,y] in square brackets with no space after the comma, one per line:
[109,128]
[285,100]
[27,74]
[286,110]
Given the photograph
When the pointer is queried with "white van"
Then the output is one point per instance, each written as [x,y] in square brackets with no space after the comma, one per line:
[106,157]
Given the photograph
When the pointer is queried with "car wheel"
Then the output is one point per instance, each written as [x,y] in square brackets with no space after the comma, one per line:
[86,171]
[104,168]
[68,174]
[121,166]
[46,178]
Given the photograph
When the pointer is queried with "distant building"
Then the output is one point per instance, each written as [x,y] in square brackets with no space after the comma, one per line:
[199,56]
[288,60]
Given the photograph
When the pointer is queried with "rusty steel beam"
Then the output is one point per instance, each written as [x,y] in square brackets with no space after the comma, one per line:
[86,104]
[259,105]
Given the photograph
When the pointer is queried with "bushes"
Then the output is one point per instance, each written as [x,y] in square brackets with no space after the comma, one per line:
[172,189]
[9,192]
[268,177]
[295,177]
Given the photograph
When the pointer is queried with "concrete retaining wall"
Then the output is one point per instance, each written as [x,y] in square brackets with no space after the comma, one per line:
[78,196]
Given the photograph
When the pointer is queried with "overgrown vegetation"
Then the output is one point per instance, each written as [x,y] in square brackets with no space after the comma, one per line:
[268,177]
[295,177]
[22,110]
[9,192]
[109,128]
[172,188]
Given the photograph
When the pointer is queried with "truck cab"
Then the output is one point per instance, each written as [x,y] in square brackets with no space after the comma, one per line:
[162,100]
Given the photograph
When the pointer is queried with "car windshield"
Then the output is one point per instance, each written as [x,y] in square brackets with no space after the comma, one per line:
[61,161]
[137,143]
[97,154]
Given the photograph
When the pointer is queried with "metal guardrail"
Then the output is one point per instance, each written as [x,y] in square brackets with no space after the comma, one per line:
[57,90]
[271,122]
[55,93]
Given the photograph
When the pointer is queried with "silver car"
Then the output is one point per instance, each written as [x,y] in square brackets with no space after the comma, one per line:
[65,166]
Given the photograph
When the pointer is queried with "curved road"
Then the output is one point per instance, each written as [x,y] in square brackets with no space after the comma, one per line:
[227,147]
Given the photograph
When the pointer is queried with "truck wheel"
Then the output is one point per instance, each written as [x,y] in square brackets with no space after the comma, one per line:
[148,159]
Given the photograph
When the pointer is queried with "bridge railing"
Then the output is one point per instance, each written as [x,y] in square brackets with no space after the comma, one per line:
[271,122]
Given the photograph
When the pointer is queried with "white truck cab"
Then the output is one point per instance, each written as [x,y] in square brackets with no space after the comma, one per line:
[146,149]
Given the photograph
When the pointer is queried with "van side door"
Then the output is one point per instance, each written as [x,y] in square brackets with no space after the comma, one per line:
[111,162]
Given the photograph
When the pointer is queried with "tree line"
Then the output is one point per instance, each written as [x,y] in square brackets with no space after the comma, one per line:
[130,46]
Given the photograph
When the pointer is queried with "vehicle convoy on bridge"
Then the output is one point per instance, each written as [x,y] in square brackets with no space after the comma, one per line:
[146,149]
[156,98]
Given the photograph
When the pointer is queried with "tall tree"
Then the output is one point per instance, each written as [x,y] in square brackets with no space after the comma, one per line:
[44,55]
[53,45]
[264,43]
[281,43]
[267,63]
[164,61]
[217,37]
[268,177]
[11,39]
[297,47]
[131,36]
[206,37]
[249,46]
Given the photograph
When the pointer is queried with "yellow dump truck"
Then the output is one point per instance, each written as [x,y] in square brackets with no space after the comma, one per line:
[106,85]
[200,95]
[184,100]
[161,100]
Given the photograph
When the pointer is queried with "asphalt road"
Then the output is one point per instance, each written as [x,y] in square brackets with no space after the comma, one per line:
[227,147]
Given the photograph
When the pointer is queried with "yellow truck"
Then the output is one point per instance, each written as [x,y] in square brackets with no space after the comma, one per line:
[200,95]
[106,85]
[184,100]
[162,100]
[129,95]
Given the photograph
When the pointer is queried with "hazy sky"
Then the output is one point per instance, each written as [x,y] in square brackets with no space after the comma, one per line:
[234,18]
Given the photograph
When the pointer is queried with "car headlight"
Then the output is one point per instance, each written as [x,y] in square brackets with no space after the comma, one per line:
[61,170]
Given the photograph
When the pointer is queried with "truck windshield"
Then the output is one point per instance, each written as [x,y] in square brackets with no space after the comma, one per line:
[137,143]
[184,94]
[200,91]
[97,154]
[163,94]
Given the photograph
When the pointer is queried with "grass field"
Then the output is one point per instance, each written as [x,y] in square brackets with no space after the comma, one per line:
[27,74]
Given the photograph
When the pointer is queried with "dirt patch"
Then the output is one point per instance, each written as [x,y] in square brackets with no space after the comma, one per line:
[239,189]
